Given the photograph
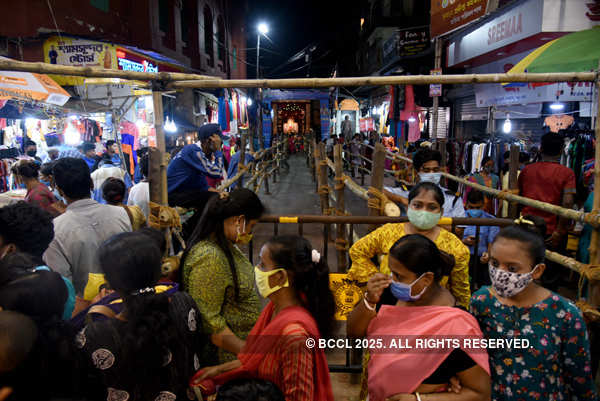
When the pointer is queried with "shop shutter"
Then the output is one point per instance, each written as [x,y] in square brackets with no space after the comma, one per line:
[468,110]
[443,121]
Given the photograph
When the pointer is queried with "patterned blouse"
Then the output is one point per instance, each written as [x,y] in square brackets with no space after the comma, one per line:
[380,241]
[208,279]
[556,366]
[109,376]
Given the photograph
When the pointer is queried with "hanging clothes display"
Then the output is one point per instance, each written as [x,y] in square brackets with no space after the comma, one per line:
[558,122]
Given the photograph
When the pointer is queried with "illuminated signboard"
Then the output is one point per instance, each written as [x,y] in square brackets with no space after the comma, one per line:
[131,62]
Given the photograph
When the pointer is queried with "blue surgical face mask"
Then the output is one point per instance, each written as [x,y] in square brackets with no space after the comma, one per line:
[57,195]
[403,291]
[430,177]
[475,213]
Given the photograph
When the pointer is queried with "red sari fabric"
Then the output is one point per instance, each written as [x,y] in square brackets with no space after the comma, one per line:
[260,352]
[408,324]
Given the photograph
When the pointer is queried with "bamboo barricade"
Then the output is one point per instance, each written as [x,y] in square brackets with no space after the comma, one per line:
[341,244]
[591,218]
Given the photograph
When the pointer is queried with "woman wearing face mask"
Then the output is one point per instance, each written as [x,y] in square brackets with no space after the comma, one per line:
[219,276]
[557,364]
[422,309]
[296,280]
[487,178]
[425,202]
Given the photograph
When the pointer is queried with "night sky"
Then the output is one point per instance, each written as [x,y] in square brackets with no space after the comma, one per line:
[332,25]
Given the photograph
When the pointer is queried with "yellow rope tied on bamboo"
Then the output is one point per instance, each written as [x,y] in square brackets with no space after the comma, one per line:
[339,183]
[590,272]
[163,217]
[329,211]
[589,312]
[323,190]
[377,200]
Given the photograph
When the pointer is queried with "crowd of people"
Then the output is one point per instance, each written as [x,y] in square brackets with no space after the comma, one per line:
[86,311]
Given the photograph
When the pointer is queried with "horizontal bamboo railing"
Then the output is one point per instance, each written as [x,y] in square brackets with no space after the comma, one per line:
[386,80]
[184,80]
[591,218]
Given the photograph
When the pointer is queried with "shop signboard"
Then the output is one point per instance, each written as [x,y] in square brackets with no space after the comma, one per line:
[77,53]
[406,43]
[448,15]
[435,89]
[495,94]
[128,60]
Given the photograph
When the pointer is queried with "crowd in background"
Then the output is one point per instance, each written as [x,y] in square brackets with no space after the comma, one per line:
[86,312]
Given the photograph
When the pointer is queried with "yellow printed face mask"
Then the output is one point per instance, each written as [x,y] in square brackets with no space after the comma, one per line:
[262,282]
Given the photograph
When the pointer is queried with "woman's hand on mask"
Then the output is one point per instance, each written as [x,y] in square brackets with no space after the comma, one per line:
[470,240]
[375,287]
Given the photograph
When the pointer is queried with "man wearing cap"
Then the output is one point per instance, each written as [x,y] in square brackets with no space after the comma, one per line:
[189,169]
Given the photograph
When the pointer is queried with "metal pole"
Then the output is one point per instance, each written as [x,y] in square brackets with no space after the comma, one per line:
[436,99]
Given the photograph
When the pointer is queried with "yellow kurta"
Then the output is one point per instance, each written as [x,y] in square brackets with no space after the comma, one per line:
[380,241]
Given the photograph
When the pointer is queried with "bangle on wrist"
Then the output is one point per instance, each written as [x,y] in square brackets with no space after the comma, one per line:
[368,304]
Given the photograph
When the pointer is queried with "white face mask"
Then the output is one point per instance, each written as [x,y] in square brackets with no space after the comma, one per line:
[430,177]
[508,284]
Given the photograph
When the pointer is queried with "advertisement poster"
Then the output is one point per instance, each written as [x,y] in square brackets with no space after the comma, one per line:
[435,89]
[78,53]
[346,294]
[406,43]
[448,15]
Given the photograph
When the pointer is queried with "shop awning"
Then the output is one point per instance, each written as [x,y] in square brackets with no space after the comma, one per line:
[31,87]
[575,52]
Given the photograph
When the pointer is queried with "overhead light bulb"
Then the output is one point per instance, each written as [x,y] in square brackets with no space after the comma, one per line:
[557,106]
[249,102]
[170,126]
[507,127]
[263,28]
[412,119]
[139,123]
[72,136]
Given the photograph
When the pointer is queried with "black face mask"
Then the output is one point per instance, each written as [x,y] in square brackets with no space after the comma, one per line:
[31,153]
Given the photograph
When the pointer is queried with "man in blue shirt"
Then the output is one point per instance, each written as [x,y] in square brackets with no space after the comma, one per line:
[112,150]
[487,234]
[187,172]
[89,155]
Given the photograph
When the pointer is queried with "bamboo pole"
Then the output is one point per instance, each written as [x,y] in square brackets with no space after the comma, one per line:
[158,165]
[386,80]
[513,183]
[96,72]
[590,218]
[317,218]
[594,287]
[341,228]
[184,80]
[377,177]
[323,182]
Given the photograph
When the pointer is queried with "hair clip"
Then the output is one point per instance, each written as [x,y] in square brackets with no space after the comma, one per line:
[146,290]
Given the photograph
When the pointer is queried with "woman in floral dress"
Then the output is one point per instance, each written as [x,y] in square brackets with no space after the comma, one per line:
[556,364]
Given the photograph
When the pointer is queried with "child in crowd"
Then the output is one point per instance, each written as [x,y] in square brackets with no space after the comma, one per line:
[556,364]
[475,202]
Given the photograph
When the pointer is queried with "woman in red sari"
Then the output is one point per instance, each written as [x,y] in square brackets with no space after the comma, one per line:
[296,280]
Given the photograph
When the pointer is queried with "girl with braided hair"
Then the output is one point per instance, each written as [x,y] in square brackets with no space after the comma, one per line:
[219,276]
[295,279]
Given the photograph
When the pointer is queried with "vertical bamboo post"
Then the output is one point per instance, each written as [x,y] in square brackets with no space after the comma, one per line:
[261,143]
[442,150]
[242,162]
[323,181]
[339,186]
[377,177]
[594,287]
[315,166]
[436,99]
[157,162]
[513,183]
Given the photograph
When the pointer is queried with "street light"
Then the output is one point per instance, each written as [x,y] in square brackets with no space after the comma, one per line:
[263,29]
